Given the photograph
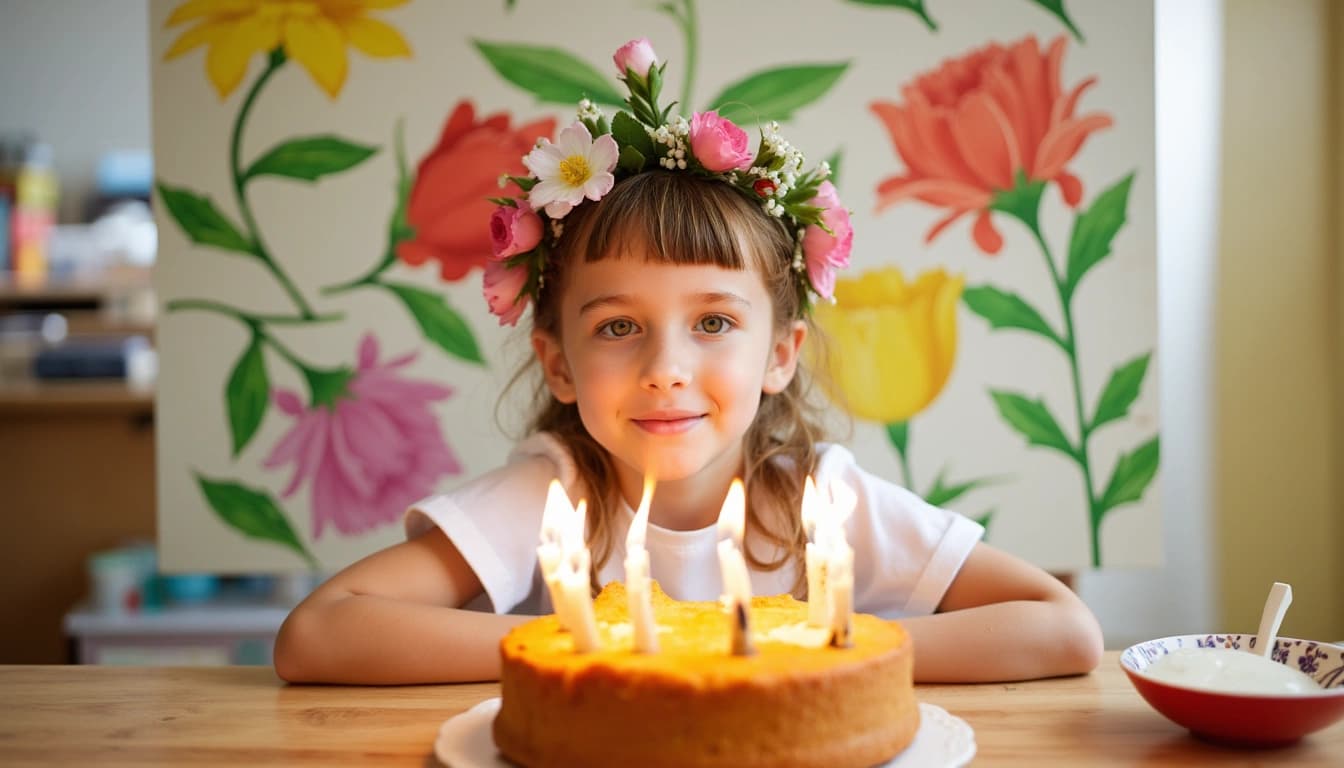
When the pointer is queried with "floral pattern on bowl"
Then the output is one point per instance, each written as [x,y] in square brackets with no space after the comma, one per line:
[1322,662]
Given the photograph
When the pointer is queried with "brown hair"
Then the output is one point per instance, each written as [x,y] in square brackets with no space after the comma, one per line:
[680,218]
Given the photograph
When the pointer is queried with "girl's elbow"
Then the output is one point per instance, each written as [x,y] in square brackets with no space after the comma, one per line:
[289,655]
[1084,644]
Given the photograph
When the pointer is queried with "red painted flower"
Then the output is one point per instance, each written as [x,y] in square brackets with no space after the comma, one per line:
[448,206]
[967,128]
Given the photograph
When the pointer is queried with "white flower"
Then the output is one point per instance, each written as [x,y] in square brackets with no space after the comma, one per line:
[572,168]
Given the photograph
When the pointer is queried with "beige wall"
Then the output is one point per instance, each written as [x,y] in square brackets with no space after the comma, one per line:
[1277,389]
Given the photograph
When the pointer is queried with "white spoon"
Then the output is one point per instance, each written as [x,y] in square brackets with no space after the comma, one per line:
[1280,597]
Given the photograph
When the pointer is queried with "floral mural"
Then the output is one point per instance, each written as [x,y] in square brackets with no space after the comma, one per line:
[358,346]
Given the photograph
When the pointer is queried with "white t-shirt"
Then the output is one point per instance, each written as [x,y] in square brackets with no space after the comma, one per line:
[906,551]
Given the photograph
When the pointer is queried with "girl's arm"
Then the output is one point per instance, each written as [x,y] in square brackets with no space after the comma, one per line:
[1004,619]
[393,618]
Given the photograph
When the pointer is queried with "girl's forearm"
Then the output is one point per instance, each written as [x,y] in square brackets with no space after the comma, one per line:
[372,640]
[1015,640]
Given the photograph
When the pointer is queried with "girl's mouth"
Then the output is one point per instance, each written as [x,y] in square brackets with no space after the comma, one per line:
[671,425]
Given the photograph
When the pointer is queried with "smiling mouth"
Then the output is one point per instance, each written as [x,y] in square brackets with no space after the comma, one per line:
[668,426]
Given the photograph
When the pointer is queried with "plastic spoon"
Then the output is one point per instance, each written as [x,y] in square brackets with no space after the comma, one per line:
[1280,597]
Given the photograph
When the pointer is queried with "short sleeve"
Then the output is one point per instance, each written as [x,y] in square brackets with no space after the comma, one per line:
[494,519]
[906,551]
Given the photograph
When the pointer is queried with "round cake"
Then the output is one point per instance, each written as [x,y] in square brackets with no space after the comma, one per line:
[797,701]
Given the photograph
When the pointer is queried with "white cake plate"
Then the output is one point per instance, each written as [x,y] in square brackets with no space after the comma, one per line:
[943,741]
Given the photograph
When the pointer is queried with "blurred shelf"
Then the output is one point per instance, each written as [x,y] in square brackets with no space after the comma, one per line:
[83,396]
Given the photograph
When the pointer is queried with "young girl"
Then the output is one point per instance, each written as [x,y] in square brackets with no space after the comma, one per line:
[671,293]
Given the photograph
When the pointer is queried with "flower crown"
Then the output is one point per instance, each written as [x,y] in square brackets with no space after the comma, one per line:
[591,155]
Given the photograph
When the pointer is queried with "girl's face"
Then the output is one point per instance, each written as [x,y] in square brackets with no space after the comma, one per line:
[667,362]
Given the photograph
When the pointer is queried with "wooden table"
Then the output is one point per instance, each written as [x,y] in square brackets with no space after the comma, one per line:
[246,716]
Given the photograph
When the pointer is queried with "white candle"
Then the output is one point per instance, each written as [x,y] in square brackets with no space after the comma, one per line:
[565,563]
[840,566]
[736,582]
[637,588]
[818,614]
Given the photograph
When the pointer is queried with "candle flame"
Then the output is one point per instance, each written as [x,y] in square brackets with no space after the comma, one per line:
[733,514]
[556,515]
[634,539]
[811,507]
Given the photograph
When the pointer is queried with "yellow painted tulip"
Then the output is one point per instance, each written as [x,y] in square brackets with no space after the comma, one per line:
[312,32]
[893,343]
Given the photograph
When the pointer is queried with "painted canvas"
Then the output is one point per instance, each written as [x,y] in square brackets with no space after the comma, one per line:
[325,170]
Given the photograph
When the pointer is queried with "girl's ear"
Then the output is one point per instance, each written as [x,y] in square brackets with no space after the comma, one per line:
[554,366]
[783,361]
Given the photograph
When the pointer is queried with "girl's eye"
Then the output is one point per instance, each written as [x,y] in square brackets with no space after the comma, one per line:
[617,329]
[715,324]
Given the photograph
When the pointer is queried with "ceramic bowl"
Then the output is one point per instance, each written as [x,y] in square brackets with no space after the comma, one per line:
[1244,719]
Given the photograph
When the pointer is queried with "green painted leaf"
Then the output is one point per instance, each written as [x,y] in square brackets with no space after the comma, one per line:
[201,221]
[1094,230]
[984,519]
[942,493]
[1032,420]
[1057,8]
[629,132]
[1007,310]
[247,395]
[1132,474]
[898,433]
[310,158]
[774,94]
[550,74]
[440,323]
[914,6]
[251,512]
[1023,201]
[1121,391]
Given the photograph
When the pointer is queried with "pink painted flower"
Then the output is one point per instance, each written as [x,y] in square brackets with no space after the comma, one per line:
[514,230]
[637,56]
[827,252]
[718,144]
[967,128]
[502,286]
[370,445]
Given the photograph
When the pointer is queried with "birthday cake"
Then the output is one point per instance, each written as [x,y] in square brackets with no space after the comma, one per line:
[796,701]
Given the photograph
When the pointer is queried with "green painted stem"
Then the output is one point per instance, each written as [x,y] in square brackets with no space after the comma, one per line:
[689,24]
[255,323]
[1070,348]
[273,63]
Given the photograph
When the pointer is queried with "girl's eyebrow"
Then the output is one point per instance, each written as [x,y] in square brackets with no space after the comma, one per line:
[708,297]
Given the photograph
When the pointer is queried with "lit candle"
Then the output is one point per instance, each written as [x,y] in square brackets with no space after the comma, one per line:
[565,563]
[736,582]
[840,566]
[817,612]
[637,588]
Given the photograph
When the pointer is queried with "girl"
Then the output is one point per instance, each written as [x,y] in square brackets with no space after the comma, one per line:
[670,313]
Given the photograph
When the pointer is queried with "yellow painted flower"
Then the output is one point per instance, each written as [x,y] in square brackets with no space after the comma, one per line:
[311,32]
[892,343]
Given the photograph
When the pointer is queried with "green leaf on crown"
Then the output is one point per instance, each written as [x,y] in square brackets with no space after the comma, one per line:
[630,133]
[1032,420]
[440,323]
[1056,7]
[252,513]
[550,74]
[775,94]
[201,220]
[1132,474]
[631,160]
[1121,391]
[1093,232]
[914,6]
[1008,310]
[310,158]
[247,395]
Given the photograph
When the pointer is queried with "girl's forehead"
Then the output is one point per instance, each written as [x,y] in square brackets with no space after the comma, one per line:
[635,276]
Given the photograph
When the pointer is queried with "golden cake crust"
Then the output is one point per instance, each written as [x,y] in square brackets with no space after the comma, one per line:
[694,705]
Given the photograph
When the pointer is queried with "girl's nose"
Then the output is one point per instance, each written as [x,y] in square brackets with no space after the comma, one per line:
[666,366]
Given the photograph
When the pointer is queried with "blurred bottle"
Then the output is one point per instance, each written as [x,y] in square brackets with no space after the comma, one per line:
[34,212]
[8,165]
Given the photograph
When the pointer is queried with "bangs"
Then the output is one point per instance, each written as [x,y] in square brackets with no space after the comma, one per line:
[678,218]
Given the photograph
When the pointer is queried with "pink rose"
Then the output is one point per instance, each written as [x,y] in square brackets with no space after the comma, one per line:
[636,56]
[501,286]
[513,231]
[718,144]
[825,253]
